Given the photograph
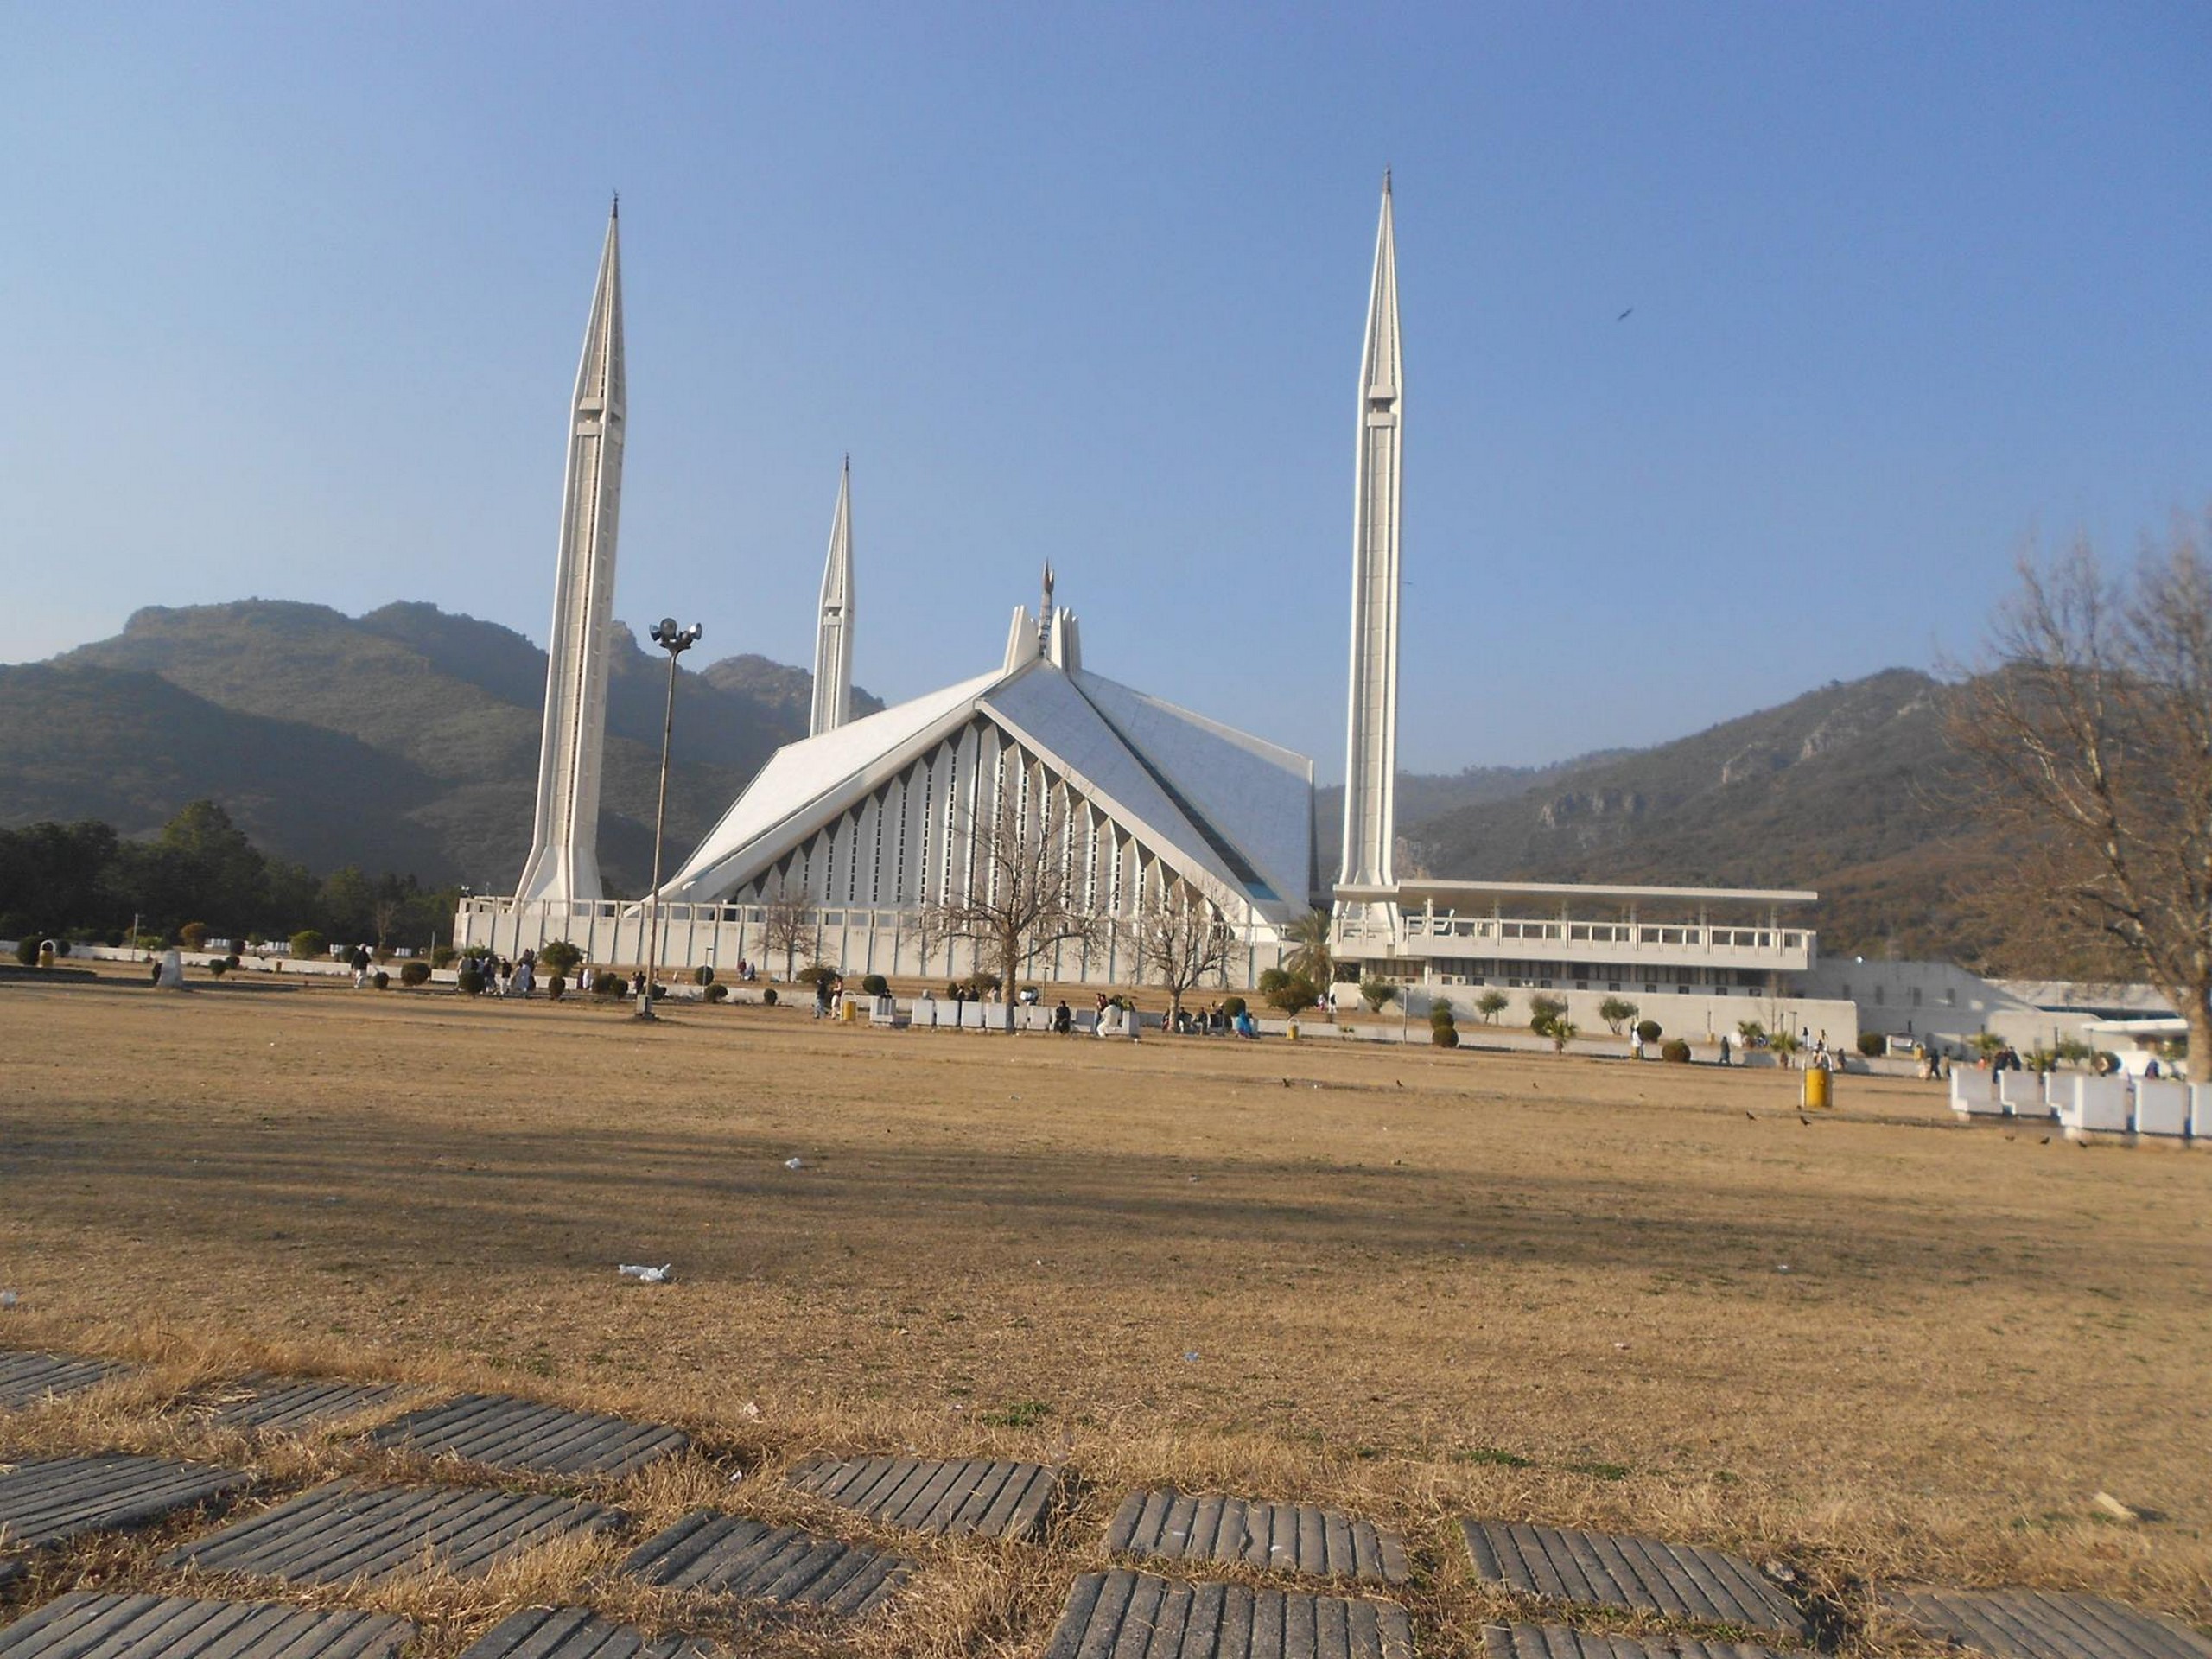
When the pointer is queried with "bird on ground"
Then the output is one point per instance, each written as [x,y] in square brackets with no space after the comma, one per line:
[1806,1120]
[1754,1116]
[2044,1142]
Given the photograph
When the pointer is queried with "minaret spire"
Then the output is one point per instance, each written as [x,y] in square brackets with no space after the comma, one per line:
[563,861]
[833,643]
[1371,743]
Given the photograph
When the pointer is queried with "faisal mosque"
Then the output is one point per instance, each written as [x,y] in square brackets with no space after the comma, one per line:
[873,824]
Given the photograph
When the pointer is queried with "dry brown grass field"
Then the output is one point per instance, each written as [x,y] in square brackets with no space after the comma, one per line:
[1419,1284]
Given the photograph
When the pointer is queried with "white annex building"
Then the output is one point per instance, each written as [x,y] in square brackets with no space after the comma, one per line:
[871,824]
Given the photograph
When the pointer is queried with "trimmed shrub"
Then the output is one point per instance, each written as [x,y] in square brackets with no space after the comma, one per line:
[604,983]
[557,988]
[717,993]
[414,973]
[231,960]
[876,985]
[1676,1050]
[26,950]
[218,967]
[559,958]
[1445,1036]
[768,997]
[381,980]
[1648,1030]
[1543,1012]
[193,936]
[442,955]
[982,982]
[1231,1007]
[1292,995]
[702,976]
[1873,1046]
[1273,980]
[815,973]
[468,981]
[1440,1013]
[308,943]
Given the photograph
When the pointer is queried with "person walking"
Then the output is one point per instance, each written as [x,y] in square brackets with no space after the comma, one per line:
[1724,1048]
[359,962]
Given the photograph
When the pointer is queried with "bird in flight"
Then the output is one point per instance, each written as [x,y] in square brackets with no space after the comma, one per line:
[1623,316]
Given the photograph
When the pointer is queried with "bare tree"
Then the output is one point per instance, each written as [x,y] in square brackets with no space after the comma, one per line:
[2090,740]
[384,919]
[788,924]
[1182,934]
[1023,894]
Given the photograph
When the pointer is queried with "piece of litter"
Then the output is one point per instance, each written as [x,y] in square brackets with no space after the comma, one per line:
[2113,1507]
[735,1476]
[794,1163]
[1040,1261]
[7,1298]
[750,1412]
[1620,1345]
[1780,1574]
[644,1275]
[1191,1357]
[1781,1267]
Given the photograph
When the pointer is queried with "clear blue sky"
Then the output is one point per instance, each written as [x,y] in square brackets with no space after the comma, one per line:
[293,298]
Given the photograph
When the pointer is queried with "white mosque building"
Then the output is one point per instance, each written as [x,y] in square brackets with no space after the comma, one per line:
[874,825]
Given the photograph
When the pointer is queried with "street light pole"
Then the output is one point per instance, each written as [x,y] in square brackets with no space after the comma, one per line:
[675,641]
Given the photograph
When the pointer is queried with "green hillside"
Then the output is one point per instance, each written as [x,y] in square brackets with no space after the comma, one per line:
[406,739]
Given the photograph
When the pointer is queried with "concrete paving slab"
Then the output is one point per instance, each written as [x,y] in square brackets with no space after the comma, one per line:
[27,1377]
[50,1499]
[728,1554]
[1137,1616]
[951,1498]
[2042,1624]
[289,1404]
[576,1633]
[88,1626]
[348,1531]
[1286,1537]
[1560,1641]
[1597,1569]
[501,1432]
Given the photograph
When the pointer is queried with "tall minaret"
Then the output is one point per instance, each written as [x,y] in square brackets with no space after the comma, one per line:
[833,644]
[564,845]
[1371,747]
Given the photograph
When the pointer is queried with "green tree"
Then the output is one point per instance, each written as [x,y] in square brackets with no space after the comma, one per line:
[1310,955]
[1491,1004]
[1377,993]
[1616,1012]
[1292,995]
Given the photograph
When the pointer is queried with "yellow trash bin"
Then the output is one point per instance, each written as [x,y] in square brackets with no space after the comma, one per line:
[852,1012]
[1819,1088]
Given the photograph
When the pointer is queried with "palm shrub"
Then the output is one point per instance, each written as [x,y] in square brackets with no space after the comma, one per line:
[1562,1031]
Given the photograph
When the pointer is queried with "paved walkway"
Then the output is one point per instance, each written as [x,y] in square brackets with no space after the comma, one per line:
[1243,1574]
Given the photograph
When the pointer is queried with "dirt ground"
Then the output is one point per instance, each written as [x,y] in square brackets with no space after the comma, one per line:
[1421,1283]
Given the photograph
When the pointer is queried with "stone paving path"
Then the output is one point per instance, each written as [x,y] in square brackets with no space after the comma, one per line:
[951,1498]
[177,1627]
[574,1633]
[348,1530]
[1284,1537]
[51,1499]
[353,1532]
[501,1432]
[1562,1642]
[728,1554]
[28,1378]
[287,1404]
[1596,1569]
[1137,1616]
[2042,1624]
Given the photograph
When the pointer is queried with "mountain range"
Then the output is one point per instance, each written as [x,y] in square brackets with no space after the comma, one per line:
[408,738]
